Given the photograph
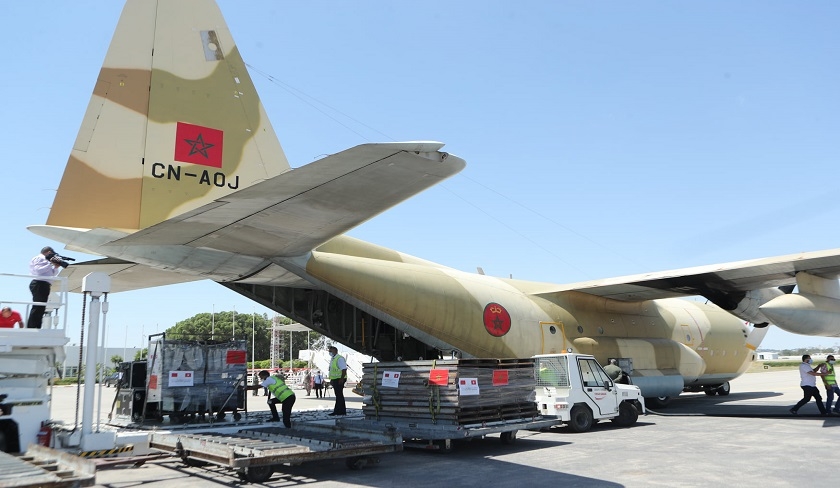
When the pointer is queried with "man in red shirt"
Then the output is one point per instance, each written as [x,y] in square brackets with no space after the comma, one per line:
[9,318]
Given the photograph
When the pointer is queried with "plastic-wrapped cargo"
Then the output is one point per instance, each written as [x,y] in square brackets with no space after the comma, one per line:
[191,377]
[452,392]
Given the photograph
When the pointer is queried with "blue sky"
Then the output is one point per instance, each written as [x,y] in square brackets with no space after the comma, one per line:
[601,138]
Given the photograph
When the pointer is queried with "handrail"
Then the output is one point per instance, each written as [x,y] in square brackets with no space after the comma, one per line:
[57,301]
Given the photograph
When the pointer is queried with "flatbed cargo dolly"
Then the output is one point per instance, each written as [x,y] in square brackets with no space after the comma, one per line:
[431,436]
[257,452]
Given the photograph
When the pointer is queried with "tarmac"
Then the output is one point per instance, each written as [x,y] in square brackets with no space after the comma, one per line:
[747,437]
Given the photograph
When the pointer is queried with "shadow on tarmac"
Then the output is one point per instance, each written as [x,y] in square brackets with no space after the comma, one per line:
[742,405]
[409,468]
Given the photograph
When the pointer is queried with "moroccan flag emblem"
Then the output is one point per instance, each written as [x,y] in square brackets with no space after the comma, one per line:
[198,145]
[496,319]
[235,356]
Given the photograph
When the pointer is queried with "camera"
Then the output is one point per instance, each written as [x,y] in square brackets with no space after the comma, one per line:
[55,258]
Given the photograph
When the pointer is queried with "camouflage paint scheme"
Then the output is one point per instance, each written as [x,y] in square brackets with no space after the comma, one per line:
[183,178]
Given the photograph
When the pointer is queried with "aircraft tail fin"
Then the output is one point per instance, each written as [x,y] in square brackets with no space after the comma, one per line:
[174,122]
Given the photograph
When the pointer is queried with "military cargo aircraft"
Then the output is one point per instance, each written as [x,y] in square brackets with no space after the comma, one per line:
[176,145]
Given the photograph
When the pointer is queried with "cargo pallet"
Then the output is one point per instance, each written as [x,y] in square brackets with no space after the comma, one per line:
[43,467]
[256,453]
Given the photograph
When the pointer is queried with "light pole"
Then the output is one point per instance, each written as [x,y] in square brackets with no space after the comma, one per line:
[253,340]
[213,323]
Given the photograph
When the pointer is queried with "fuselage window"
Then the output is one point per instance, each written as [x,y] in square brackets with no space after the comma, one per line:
[552,329]
[600,330]
[580,329]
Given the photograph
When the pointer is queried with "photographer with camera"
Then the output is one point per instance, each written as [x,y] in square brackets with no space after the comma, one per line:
[47,264]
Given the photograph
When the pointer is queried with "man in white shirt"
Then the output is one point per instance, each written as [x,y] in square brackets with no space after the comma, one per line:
[41,265]
[808,383]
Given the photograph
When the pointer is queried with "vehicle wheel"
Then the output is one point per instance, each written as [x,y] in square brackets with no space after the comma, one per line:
[627,415]
[508,438]
[581,419]
[194,463]
[258,474]
[220,416]
[710,390]
[723,389]
[355,463]
[658,402]
[237,416]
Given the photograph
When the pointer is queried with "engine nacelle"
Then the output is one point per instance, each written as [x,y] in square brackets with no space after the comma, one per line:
[750,307]
[805,313]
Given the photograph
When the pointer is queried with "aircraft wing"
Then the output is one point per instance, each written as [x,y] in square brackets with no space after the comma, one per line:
[125,276]
[294,212]
[714,280]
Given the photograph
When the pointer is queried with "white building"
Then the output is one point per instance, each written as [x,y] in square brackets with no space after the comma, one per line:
[71,361]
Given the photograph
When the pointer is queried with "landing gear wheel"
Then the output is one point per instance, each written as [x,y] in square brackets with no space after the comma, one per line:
[508,438]
[581,419]
[257,474]
[627,415]
[723,389]
[658,402]
[710,390]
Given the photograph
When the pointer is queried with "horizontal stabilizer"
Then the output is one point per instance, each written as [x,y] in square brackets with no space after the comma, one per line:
[292,213]
[125,276]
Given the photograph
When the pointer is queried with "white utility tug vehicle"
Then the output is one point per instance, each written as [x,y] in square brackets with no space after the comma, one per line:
[576,389]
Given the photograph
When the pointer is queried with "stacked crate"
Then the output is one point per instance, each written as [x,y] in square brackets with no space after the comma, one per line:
[505,391]
[217,369]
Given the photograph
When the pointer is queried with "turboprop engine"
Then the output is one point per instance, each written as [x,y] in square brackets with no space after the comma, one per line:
[804,313]
[815,310]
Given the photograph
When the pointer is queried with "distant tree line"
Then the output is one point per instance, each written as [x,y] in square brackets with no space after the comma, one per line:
[807,350]
[235,325]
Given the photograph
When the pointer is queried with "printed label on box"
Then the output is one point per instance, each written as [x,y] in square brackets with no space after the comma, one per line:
[181,378]
[391,379]
[468,386]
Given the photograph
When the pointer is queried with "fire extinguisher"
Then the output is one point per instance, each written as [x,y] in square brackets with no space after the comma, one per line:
[45,435]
